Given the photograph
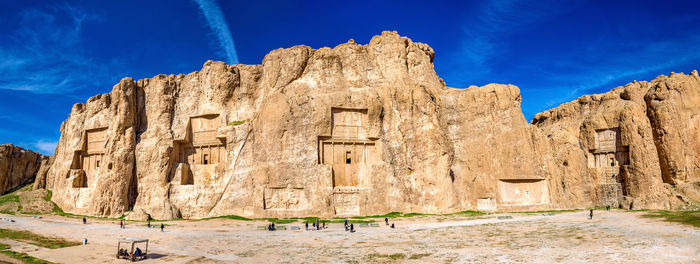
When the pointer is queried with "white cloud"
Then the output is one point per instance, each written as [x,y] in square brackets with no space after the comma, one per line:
[642,63]
[46,147]
[486,24]
[217,23]
[44,54]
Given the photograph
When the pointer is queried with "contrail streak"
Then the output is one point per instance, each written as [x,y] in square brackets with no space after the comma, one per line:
[216,21]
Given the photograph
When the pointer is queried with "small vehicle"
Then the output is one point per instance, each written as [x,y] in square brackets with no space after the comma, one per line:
[131,254]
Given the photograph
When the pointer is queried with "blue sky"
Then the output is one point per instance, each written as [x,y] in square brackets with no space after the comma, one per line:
[57,53]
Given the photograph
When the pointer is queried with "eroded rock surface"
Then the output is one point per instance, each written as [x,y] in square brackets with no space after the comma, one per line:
[636,146]
[18,167]
[355,130]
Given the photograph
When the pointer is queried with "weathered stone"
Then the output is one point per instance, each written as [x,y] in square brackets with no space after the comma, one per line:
[654,149]
[18,167]
[354,130]
[138,215]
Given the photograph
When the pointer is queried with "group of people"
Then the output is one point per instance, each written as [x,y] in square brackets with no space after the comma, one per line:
[122,225]
[386,220]
[162,226]
[349,227]
[125,253]
[316,225]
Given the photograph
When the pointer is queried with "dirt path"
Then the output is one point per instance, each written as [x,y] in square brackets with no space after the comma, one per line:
[611,237]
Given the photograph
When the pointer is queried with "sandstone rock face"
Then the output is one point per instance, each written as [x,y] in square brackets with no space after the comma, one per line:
[350,130]
[18,167]
[635,146]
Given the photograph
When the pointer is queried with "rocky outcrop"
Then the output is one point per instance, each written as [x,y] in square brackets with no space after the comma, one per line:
[18,167]
[349,130]
[655,144]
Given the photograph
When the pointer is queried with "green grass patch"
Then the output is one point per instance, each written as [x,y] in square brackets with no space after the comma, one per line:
[395,256]
[280,221]
[353,221]
[237,122]
[12,197]
[24,257]
[639,210]
[8,198]
[36,239]
[467,213]
[549,211]
[48,196]
[57,210]
[419,256]
[233,217]
[684,217]
[311,220]
[389,215]
[399,214]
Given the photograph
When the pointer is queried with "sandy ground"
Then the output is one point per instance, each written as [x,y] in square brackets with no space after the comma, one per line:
[611,237]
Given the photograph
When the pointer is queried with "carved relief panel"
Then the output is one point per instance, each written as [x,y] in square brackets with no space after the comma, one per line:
[348,149]
[523,191]
[608,150]
[202,146]
[346,203]
[89,157]
[285,199]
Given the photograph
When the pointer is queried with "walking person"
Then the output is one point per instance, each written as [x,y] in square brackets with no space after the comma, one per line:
[307,226]
[162,226]
[590,216]
[386,220]
[84,221]
[121,224]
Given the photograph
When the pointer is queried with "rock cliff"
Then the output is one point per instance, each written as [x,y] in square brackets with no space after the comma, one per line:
[18,167]
[363,130]
[636,146]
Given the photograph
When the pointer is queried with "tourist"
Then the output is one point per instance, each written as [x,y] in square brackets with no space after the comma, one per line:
[591,215]
[162,227]
[84,221]
[392,225]
[386,220]
[352,228]
[313,225]
[346,222]
[307,226]
[121,224]
[324,224]
[138,252]
[607,207]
